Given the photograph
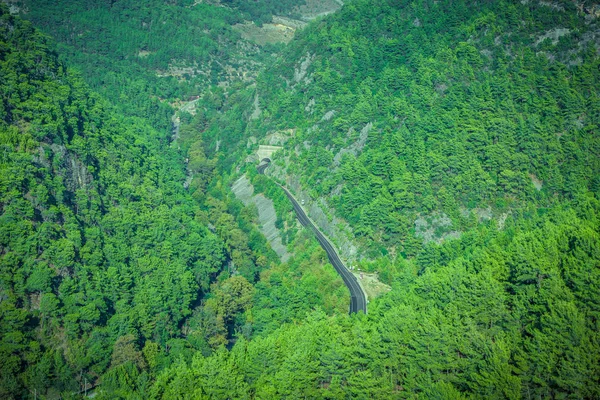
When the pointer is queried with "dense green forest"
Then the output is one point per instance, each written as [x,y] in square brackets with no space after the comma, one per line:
[108,263]
[145,56]
[466,108]
[127,264]
[99,239]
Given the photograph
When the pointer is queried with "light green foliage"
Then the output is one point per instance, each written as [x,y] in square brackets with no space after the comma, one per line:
[110,269]
[289,292]
[453,332]
[466,112]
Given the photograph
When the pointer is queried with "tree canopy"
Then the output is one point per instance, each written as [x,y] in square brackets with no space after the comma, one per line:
[457,140]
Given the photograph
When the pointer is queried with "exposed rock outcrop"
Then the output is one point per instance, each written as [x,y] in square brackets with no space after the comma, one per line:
[244,191]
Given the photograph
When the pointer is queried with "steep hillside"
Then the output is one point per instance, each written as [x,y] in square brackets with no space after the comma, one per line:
[147,57]
[110,267]
[456,142]
[416,119]
[98,239]
[459,141]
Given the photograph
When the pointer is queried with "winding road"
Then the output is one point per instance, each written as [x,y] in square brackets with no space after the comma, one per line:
[358,300]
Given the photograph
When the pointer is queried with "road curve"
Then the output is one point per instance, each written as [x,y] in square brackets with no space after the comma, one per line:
[261,168]
[358,301]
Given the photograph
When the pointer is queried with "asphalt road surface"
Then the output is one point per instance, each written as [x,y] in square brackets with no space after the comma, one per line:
[358,301]
[261,168]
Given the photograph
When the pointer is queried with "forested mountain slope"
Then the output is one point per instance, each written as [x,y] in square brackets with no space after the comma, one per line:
[480,114]
[146,56]
[98,238]
[484,114]
[439,110]
[110,269]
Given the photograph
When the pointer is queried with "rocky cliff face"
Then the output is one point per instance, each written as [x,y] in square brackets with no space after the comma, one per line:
[244,191]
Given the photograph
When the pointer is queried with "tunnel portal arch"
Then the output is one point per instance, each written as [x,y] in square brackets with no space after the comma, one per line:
[266,152]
